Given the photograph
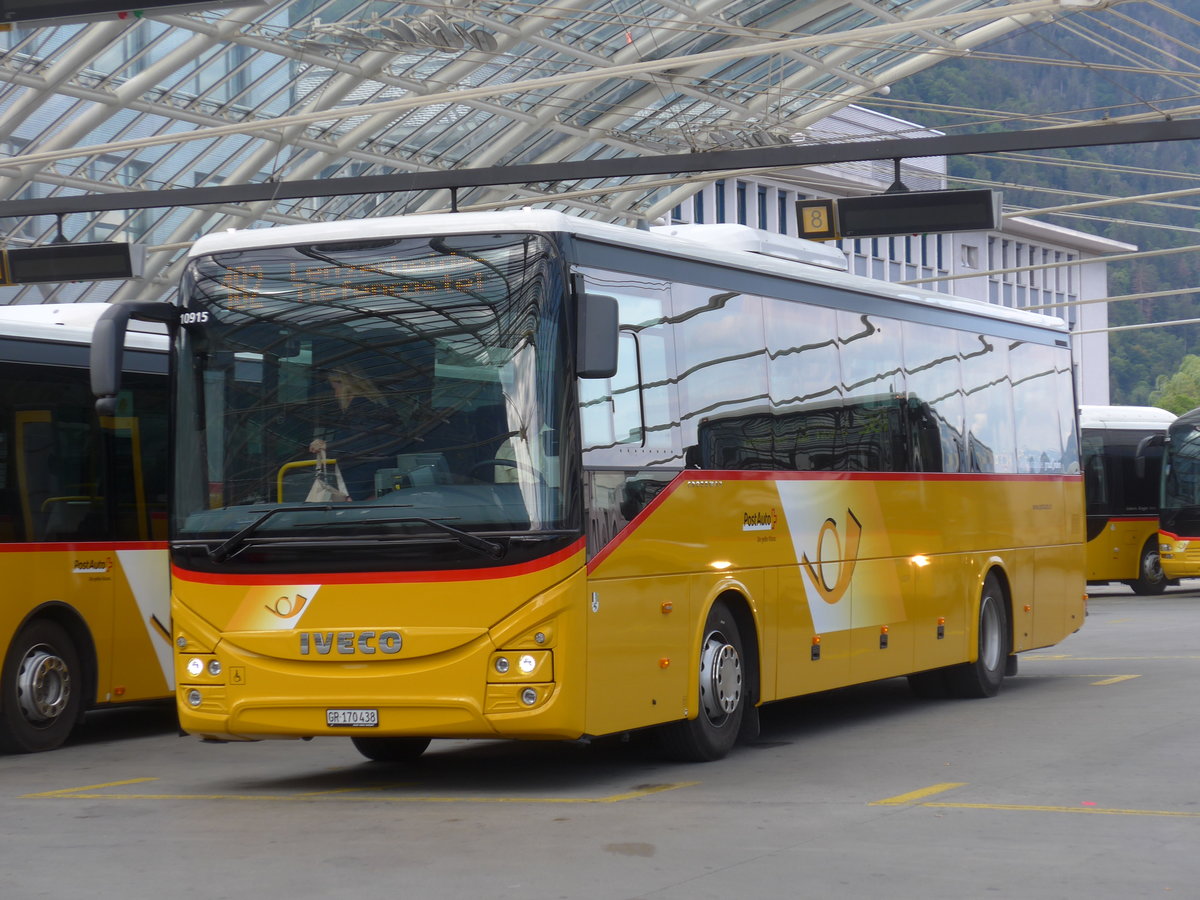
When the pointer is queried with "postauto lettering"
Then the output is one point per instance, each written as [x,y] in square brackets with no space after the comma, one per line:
[350,643]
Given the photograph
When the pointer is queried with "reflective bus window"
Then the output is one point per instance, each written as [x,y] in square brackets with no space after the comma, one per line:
[805,385]
[935,402]
[718,345]
[988,404]
[611,408]
[1038,434]
[633,408]
[871,433]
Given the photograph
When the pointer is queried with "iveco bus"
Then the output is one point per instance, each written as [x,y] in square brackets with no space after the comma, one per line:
[523,475]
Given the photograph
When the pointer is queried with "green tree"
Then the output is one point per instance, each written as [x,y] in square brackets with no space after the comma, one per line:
[1180,392]
[943,96]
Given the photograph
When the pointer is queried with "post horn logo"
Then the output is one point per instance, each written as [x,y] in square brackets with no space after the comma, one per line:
[831,578]
[285,607]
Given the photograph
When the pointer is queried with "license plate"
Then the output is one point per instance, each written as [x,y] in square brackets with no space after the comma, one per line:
[352,718]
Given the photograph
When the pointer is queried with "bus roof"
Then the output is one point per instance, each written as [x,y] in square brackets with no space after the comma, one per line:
[72,323]
[1143,417]
[685,243]
[1189,418]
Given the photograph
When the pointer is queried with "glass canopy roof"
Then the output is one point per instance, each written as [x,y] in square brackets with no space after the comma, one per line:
[324,89]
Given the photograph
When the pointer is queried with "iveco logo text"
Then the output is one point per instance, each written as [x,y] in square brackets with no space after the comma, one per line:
[349,643]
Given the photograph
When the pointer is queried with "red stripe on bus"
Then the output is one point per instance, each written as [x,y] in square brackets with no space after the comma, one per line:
[512,571]
[1176,537]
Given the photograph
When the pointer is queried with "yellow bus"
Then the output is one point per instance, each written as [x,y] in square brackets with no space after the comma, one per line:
[521,475]
[1121,451]
[1179,516]
[83,526]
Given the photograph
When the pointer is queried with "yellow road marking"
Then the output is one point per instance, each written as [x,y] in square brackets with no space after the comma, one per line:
[1091,810]
[1115,679]
[97,792]
[912,796]
[61,792]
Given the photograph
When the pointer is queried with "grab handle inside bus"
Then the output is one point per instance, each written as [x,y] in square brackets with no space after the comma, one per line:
[596,345]
[108,346]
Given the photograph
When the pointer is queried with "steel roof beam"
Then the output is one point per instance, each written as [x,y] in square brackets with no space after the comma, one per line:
[768,158]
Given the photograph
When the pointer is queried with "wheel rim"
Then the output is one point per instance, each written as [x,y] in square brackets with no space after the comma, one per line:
[43,684]
[990,646]
[1151,567]
[720,678]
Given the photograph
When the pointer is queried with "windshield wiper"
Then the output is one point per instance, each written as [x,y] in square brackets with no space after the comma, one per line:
[236,541]
[473,541]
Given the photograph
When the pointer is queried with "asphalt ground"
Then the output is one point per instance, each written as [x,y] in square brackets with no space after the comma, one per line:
[1078,780]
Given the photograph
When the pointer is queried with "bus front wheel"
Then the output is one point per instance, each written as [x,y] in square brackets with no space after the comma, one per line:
[982,677]
[723,695]
[41,701]
[1151,579]
[390,749]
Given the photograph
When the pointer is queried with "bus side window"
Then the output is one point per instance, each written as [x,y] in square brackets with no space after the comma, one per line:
[611,408]
[1095,484]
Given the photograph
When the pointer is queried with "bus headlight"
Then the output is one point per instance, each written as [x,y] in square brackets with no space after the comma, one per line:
[521,666]
[214,667]
[195,666]
[193,698]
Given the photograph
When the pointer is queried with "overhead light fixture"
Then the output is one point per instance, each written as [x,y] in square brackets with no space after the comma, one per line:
[425,32]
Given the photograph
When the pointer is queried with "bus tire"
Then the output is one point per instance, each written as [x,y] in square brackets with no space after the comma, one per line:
[982,677]
[723,695]
[390,749]
[41,684]
[1150,580]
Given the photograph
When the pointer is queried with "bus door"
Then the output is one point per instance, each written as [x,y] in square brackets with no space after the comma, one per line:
[134,445]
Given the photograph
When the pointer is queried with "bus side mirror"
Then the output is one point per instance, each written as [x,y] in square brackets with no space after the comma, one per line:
[596,342]
[108,346]
[1150,447]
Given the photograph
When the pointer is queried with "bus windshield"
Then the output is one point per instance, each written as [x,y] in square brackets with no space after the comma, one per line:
[393,399]
[1181,477]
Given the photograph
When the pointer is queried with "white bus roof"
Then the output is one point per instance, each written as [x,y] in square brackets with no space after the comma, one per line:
[72,323]
[1134,417]
[684,244]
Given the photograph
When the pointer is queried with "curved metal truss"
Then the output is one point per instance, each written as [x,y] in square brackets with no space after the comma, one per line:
[310,89]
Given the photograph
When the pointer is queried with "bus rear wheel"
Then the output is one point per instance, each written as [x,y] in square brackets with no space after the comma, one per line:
[390,749]
[723,695]
[982,677]
[41,700]
[1151,579]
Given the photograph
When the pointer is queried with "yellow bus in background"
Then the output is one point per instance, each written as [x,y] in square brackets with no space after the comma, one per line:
[1179,517]
[1121,451]
[85,616]
[529,476]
